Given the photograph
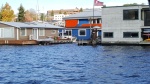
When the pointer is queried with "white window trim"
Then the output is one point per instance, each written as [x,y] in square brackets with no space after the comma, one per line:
[25,32]
[43,32]
[3,34]
[79,32]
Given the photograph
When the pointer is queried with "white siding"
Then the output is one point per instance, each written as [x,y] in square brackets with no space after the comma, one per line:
[112,20]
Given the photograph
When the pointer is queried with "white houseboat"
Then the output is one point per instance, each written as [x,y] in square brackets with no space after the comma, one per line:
[126,25]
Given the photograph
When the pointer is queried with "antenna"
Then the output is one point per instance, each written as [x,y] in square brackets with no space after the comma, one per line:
[37,9]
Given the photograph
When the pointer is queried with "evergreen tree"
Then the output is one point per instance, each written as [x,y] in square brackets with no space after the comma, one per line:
[21,13]
[42,17]
[7,13]
[52,13]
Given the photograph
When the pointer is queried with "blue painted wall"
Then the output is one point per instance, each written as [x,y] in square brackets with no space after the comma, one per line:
[75,34]
[99,32]
[83,21]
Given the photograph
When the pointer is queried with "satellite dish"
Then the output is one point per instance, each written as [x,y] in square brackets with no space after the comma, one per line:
[96,27]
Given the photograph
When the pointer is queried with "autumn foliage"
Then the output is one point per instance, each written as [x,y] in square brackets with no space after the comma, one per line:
[7,14]
[28,16]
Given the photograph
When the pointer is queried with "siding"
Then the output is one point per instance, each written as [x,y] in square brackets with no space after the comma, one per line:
[83,21]
[113,22]
[75,33]
[15,32]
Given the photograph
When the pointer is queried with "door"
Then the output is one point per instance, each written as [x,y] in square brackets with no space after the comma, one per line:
[35,34]
[147,18]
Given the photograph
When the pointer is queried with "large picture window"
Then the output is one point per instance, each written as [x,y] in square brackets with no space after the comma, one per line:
[23,32]
[108,34]
[130,14]
[130,34]
[41,32]
[7,32]
[82,32]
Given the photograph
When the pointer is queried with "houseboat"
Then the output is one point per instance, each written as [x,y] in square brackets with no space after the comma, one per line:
[80,25]
[126,25]
[26,33]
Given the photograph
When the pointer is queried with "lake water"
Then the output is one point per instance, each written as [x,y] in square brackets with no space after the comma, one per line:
[72,64]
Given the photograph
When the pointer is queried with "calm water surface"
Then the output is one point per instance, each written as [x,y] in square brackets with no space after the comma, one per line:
[72,64]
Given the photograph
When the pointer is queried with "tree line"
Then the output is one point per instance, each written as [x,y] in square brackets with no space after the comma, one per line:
[7,14]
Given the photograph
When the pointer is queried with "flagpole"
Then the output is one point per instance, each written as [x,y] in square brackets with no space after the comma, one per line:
[93,13]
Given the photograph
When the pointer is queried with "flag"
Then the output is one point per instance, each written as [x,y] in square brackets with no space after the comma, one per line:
[98,3]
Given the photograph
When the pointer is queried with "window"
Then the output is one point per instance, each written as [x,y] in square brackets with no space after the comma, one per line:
[98,20]
[1,32]
[68,33]
[53,31]
[108,34]
[6,32]
[94,21]
[130,14]
[82,32]
[130,34]
[41,32]
[23,32]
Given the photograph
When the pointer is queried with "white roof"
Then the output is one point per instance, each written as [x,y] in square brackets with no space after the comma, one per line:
[30,25]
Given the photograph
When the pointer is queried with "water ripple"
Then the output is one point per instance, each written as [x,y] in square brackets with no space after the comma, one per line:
[72,64]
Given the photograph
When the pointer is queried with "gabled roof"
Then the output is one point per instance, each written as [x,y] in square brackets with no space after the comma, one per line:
[85,14]
[30,25]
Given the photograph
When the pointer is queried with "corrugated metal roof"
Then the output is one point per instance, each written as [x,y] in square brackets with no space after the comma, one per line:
[30,25]
[85,14]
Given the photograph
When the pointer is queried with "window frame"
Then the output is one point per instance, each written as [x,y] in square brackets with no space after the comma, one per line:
[4,32]
[130,35]
[108,36]
[127,17]
[81,30]
[43,32]
[25,34]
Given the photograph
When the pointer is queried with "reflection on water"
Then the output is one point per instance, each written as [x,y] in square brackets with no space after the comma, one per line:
[72,64]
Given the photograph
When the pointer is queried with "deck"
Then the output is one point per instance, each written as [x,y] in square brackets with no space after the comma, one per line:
[18,42]
[48,42]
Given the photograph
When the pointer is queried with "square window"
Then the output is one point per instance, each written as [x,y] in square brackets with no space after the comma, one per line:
[82,32]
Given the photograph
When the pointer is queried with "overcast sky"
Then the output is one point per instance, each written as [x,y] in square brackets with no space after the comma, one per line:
[45,5]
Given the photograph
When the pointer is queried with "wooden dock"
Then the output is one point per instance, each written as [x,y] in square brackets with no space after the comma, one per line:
[18,42]
[60,41]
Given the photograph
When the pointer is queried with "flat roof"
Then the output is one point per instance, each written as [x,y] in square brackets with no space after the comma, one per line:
[123,6]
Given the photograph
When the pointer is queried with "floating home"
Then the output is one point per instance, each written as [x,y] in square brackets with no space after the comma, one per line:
[126,25]
[79,25]
[26,33]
